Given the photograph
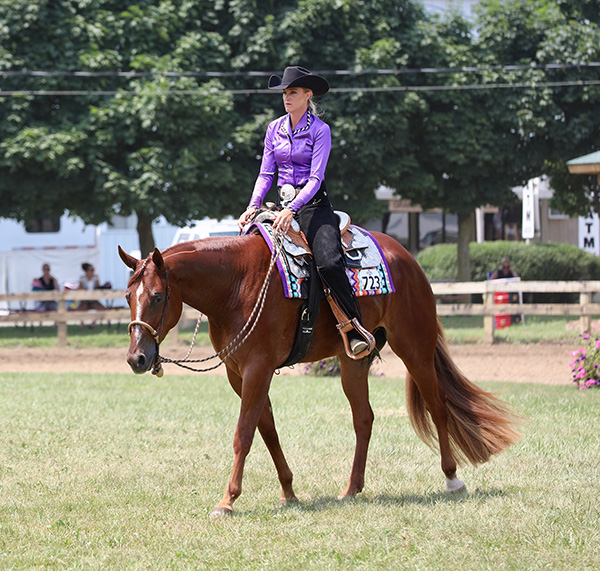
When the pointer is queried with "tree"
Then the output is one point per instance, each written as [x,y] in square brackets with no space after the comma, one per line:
[40,169]
[479,143]
[138,151]
[466,138]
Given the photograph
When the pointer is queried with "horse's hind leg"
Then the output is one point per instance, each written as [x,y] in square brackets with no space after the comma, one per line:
[356,389]
[268,431]
[423,375]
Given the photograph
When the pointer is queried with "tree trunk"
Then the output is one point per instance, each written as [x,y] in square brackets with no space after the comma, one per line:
[465,235]
[144,229]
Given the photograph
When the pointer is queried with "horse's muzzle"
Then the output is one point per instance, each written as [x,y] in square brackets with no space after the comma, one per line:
[141,362]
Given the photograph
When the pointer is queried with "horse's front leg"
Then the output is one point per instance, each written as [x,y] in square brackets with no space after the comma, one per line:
[266,427]
[356,388]
[254,394]
[268,431]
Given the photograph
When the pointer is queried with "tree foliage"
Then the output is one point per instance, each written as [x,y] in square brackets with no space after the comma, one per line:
[139,150]
[562,119]
[196,151]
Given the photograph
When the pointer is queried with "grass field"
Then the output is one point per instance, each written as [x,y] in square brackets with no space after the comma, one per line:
[120,472]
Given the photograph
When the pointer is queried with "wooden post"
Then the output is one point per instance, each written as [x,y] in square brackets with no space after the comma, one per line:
[488,318]
[61,323]
[585,321]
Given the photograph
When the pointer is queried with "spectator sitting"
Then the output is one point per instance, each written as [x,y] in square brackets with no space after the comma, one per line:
[90,281]
[46,282]
[505,271]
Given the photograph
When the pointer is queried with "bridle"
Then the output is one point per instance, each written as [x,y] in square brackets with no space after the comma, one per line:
[233,346]
[157,366]
[149,327]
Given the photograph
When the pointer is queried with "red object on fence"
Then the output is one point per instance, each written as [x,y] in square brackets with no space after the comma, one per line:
[502,321]
[501,297]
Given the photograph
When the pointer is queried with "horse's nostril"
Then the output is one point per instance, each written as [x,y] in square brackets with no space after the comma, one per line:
[137,361]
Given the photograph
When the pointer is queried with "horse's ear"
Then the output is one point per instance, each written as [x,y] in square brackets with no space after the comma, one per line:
[158,259]
[128,260]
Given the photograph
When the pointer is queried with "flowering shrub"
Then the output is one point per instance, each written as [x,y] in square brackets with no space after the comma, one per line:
[328,368]
[324,368]
[586,363]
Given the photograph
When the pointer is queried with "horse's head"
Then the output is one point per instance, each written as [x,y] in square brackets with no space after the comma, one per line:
[155,308]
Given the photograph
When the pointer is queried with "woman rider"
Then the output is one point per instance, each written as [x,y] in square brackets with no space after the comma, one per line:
[297,145]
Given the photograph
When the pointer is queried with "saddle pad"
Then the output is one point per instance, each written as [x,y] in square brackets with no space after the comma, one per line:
[366,267]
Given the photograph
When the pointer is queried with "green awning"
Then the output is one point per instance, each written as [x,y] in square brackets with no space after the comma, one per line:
[587,164]
[592,158]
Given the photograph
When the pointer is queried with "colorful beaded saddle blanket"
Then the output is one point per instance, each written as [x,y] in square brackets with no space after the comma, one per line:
[366,267]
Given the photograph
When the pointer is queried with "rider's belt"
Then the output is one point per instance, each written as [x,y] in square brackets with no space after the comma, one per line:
[288,192]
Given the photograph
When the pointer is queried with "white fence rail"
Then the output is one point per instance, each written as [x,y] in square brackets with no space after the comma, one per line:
[63,315]
[584,308]
[445,292]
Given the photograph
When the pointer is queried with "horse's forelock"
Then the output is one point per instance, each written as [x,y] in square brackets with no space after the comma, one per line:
[138,272]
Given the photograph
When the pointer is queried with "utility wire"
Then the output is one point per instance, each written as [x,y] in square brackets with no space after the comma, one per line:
[255,74]
[251,74]
[389,89]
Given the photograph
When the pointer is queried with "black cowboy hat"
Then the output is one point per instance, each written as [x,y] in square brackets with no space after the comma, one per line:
[295,76]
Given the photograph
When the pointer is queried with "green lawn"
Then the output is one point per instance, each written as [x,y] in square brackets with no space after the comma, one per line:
[121,471]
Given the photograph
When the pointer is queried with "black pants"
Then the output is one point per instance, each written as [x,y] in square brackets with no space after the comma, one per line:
[320,225]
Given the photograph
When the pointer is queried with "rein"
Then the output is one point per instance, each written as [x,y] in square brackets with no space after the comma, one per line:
[231,348]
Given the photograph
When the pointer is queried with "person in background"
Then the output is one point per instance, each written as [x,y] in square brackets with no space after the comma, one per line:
[46,282]
[505,271]
[90,281]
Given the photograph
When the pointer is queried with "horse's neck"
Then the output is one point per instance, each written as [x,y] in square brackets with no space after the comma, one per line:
[212,274]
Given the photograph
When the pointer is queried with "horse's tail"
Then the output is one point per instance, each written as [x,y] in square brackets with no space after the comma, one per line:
[479,424]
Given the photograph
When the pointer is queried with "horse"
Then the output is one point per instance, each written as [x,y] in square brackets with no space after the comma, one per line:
[223,278]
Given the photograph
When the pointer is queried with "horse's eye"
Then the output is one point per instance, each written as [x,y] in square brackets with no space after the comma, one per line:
[128,298]
[157,298]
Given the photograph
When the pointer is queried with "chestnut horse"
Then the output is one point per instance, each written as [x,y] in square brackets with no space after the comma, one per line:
[222,278]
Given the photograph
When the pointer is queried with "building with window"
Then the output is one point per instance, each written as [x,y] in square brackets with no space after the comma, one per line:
[416,229]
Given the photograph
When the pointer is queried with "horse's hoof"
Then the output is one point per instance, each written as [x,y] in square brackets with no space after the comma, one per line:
[220,512]
[286,502]
[455,486]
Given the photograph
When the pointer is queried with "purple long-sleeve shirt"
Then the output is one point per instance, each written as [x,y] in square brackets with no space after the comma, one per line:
[300,158]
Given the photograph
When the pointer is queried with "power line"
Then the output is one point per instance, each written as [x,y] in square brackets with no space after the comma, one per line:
[254,74]
[399,88]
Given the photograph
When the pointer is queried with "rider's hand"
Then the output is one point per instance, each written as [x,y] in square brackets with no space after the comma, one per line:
[246,216]
[283,220]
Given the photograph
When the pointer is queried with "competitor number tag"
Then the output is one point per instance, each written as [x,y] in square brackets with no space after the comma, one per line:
[369,279]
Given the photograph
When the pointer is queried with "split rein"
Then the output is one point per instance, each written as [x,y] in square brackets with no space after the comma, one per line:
[231,348]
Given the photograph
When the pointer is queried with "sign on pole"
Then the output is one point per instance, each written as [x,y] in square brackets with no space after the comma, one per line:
[589,232]
[528,225]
